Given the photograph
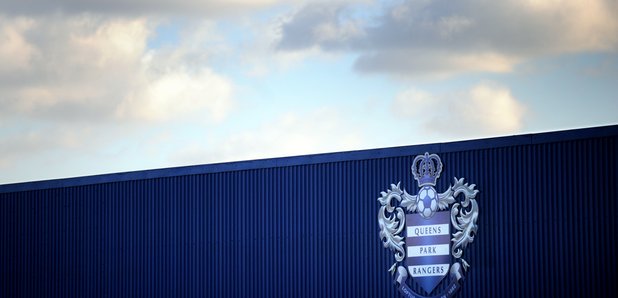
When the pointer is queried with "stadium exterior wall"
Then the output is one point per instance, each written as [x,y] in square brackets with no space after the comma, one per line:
[307,225]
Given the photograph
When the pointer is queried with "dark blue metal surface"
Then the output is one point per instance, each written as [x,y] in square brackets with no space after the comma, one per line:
[307,226]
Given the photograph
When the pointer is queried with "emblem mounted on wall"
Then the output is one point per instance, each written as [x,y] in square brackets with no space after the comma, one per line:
[427,239]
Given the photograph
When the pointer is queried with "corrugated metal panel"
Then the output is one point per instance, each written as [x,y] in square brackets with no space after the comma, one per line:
[306,226]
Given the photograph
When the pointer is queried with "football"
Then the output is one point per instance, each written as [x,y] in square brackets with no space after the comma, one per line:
[427,201]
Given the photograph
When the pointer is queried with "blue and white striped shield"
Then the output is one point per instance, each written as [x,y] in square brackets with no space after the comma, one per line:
[428,248]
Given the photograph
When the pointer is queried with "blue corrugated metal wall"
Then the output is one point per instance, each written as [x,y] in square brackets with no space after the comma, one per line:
[307,226]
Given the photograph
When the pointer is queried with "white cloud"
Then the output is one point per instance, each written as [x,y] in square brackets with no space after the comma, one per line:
[316,131]
[178,94]
[439,63]
[15,52]
[92,68]
[40,150]
[485,109]
[14,147]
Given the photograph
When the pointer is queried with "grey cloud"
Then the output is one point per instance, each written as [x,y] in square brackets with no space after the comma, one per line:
[302,31]
[328,25]
[465,25]
[416,37]
[133,7]
[402,62]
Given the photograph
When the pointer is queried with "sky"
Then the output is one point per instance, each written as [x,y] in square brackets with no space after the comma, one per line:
[91,87]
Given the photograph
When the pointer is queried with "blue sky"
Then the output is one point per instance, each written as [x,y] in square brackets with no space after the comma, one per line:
[90,87]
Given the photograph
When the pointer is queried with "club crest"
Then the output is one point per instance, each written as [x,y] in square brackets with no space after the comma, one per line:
[429,231]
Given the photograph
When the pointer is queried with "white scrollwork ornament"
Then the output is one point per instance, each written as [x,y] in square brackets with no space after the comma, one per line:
[464,220]
[392,219]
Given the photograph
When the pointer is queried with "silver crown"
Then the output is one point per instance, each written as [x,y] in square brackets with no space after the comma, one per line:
[426,169]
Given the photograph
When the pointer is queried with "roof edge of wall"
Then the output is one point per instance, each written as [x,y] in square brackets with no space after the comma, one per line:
[476,144]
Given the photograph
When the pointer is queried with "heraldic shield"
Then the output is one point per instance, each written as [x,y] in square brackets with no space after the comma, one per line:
[428,244]
[424,235]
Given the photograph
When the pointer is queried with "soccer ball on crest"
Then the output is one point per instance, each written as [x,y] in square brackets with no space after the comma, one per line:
[427,202]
